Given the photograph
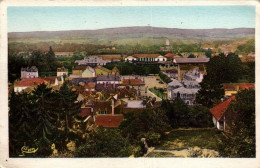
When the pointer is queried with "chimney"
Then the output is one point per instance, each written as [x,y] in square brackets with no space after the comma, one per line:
[113,107]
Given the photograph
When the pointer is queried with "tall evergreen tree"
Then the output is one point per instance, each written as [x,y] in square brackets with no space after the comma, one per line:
[20,122]
[45,129]
[68,105]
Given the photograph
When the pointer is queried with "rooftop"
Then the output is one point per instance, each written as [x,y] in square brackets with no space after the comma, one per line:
[29,82]
[146,55]
[76,81]
[183,90]
[218,110]
[80,67]
[135,104]
[32,69]
[190,60]
[109,121]
[102,68]
[108,78]
[174,82]
[239,86]
[170,55]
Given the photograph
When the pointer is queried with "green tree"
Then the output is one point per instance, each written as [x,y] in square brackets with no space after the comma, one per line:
[191,56]
[150,124]
[45,120]
[220,69]
[51,60]
[104,142]
[211,91]
[67,105]
[20,122]
[240,136]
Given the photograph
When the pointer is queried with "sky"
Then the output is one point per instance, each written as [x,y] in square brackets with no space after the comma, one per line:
[25,19]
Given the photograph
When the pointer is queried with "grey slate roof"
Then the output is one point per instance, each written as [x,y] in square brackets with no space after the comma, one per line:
[174,82]
[108,78]
[76,81]
[183,90]
[32,69]
[191,60]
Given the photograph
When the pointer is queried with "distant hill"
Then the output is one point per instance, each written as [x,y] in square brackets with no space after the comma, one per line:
[131,35]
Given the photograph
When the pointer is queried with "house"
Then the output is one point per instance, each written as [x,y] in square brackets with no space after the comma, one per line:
[62,71]
[174,84]
[189,84]
[146,58]
[98,60]
[90,87]
[29,72]
[137,84]
[111,58]
[186,94]
[137,104]
[130,59]
[78,70]
[52,81]
[187,88]
[218,114]
[194,75]
[190,61]
[82,81]
[91,61]
[88,73]
[107,82]
[102,71]
[115,71]
[87,109]
[170,56]
[232,88]
[28,82]
[171,73]
[108,121]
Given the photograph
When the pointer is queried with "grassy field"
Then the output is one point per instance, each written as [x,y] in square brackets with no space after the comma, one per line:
[186,138]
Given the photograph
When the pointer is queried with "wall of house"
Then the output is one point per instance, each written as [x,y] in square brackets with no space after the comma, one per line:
[19,89]
[100,72]
[62,73]
[230,93]
[77,72]
[88,74]
[160,58]
[25,74]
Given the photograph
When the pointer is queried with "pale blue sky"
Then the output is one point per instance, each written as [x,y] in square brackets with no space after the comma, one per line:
[22,19]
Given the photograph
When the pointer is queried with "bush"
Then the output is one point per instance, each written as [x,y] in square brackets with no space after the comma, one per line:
[164,77]
[105,143]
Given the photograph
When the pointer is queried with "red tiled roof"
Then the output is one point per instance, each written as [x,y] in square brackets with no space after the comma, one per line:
[218,110]
[169,55]
[29,82]
[85,112]
[241,86]
[146,55]
[49,79]
[90,85]
[132,82]
[246,86]
[80,67]
[109,121]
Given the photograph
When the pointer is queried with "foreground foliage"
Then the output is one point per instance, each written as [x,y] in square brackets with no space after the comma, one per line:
[240,137]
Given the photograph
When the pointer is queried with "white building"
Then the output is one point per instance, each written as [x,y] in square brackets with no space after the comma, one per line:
[29,72]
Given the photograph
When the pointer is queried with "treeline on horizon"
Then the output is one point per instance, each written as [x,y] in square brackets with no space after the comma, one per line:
[126,49]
